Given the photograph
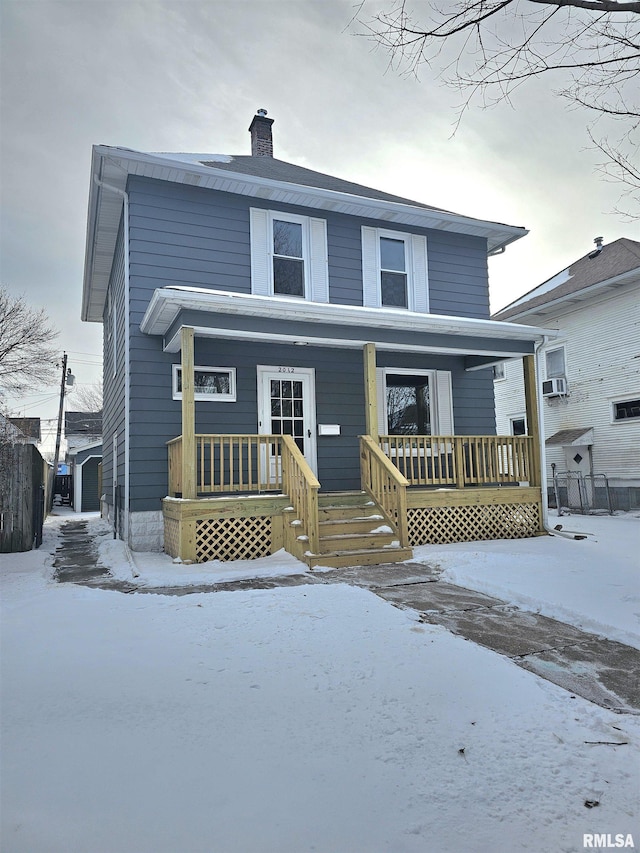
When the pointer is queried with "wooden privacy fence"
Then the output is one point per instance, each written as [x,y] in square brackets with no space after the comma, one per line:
[22,493]
[386,485]
[459,461]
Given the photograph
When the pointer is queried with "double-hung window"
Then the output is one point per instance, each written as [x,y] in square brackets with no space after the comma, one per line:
[555,363]
[288,255]
[394,270]
[289,273]
[394,292]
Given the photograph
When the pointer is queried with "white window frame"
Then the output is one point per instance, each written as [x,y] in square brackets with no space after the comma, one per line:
[519,417]
[314,254]
[211,398]
[440,398]
[306,251]
[416,269]
[547,353]
[624,399]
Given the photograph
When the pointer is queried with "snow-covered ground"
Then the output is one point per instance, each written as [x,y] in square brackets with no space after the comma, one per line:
[592,583]
[312,718]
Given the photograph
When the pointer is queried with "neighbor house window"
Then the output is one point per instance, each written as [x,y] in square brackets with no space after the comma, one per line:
[394,270]
[499,371]
[626,410]
[288,255]
[518,425]
[210,383]
[555,363]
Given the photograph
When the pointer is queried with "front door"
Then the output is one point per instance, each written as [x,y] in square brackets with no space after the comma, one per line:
[286,406]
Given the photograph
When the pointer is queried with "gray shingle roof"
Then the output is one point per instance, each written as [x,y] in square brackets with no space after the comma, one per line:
[83,423]
[617,258]
[279,170]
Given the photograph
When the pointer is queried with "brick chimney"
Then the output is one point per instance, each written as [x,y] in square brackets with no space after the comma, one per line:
[261,139]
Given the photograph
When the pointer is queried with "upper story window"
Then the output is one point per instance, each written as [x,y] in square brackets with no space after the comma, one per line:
[394,270]
[555,363]
[288,255]
[288,258]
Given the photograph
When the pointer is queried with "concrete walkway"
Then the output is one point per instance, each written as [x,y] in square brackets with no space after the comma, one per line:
[587,665]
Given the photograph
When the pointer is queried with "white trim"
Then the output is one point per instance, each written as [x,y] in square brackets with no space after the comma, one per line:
[518,417]
[547,353]
[440,397]
[209,398]
[264,373]
[167,302]
[173,344]
[415,269]
[77,481]
[116,164]
[624,398]
[314,254]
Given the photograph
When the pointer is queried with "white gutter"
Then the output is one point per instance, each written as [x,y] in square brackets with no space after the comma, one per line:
[127,381]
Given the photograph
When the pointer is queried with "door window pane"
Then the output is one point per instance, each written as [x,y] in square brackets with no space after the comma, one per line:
[287,410]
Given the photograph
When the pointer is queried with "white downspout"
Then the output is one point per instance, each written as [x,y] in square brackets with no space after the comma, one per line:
[127,382]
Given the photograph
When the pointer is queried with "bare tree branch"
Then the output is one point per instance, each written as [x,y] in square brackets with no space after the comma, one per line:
[27,354]
[488,49]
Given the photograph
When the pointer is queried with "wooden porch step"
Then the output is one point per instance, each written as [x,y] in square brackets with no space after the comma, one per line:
[357,524]
[355,541]
[366,557]
[344,499]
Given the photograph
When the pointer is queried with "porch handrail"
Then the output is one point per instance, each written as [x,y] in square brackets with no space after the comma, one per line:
[461,460]
[229,463]
[386,485]
[301,485]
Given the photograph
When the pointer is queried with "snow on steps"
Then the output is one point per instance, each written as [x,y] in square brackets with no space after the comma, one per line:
[353,532]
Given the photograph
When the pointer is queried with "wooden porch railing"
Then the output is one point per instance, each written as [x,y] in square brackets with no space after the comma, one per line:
[301,485]
[229,463]
[459,461]
[386,485]
[252,463]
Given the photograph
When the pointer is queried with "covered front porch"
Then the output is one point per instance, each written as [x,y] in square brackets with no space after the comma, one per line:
[244,496]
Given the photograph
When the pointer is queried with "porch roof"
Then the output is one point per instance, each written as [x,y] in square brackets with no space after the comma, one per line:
[221,314]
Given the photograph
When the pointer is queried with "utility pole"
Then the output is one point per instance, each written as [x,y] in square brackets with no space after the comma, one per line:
[65,380]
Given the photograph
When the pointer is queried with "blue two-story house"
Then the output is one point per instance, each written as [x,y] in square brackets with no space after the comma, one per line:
[294,360]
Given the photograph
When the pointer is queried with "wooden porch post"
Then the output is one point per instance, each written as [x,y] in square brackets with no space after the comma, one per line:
[533,428]
[370,391]
[188,415]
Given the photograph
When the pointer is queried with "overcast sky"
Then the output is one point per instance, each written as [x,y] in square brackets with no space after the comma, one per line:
[189,76]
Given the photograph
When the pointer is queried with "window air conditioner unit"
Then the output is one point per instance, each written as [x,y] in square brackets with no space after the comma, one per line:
[556,387]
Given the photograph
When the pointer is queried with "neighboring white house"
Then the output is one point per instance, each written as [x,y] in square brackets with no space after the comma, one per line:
[590,375]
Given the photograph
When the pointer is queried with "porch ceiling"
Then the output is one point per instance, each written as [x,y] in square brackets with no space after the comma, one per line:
[219,314]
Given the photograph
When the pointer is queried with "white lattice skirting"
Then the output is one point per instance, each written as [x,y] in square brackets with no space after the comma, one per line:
[443,525]
[233,539]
